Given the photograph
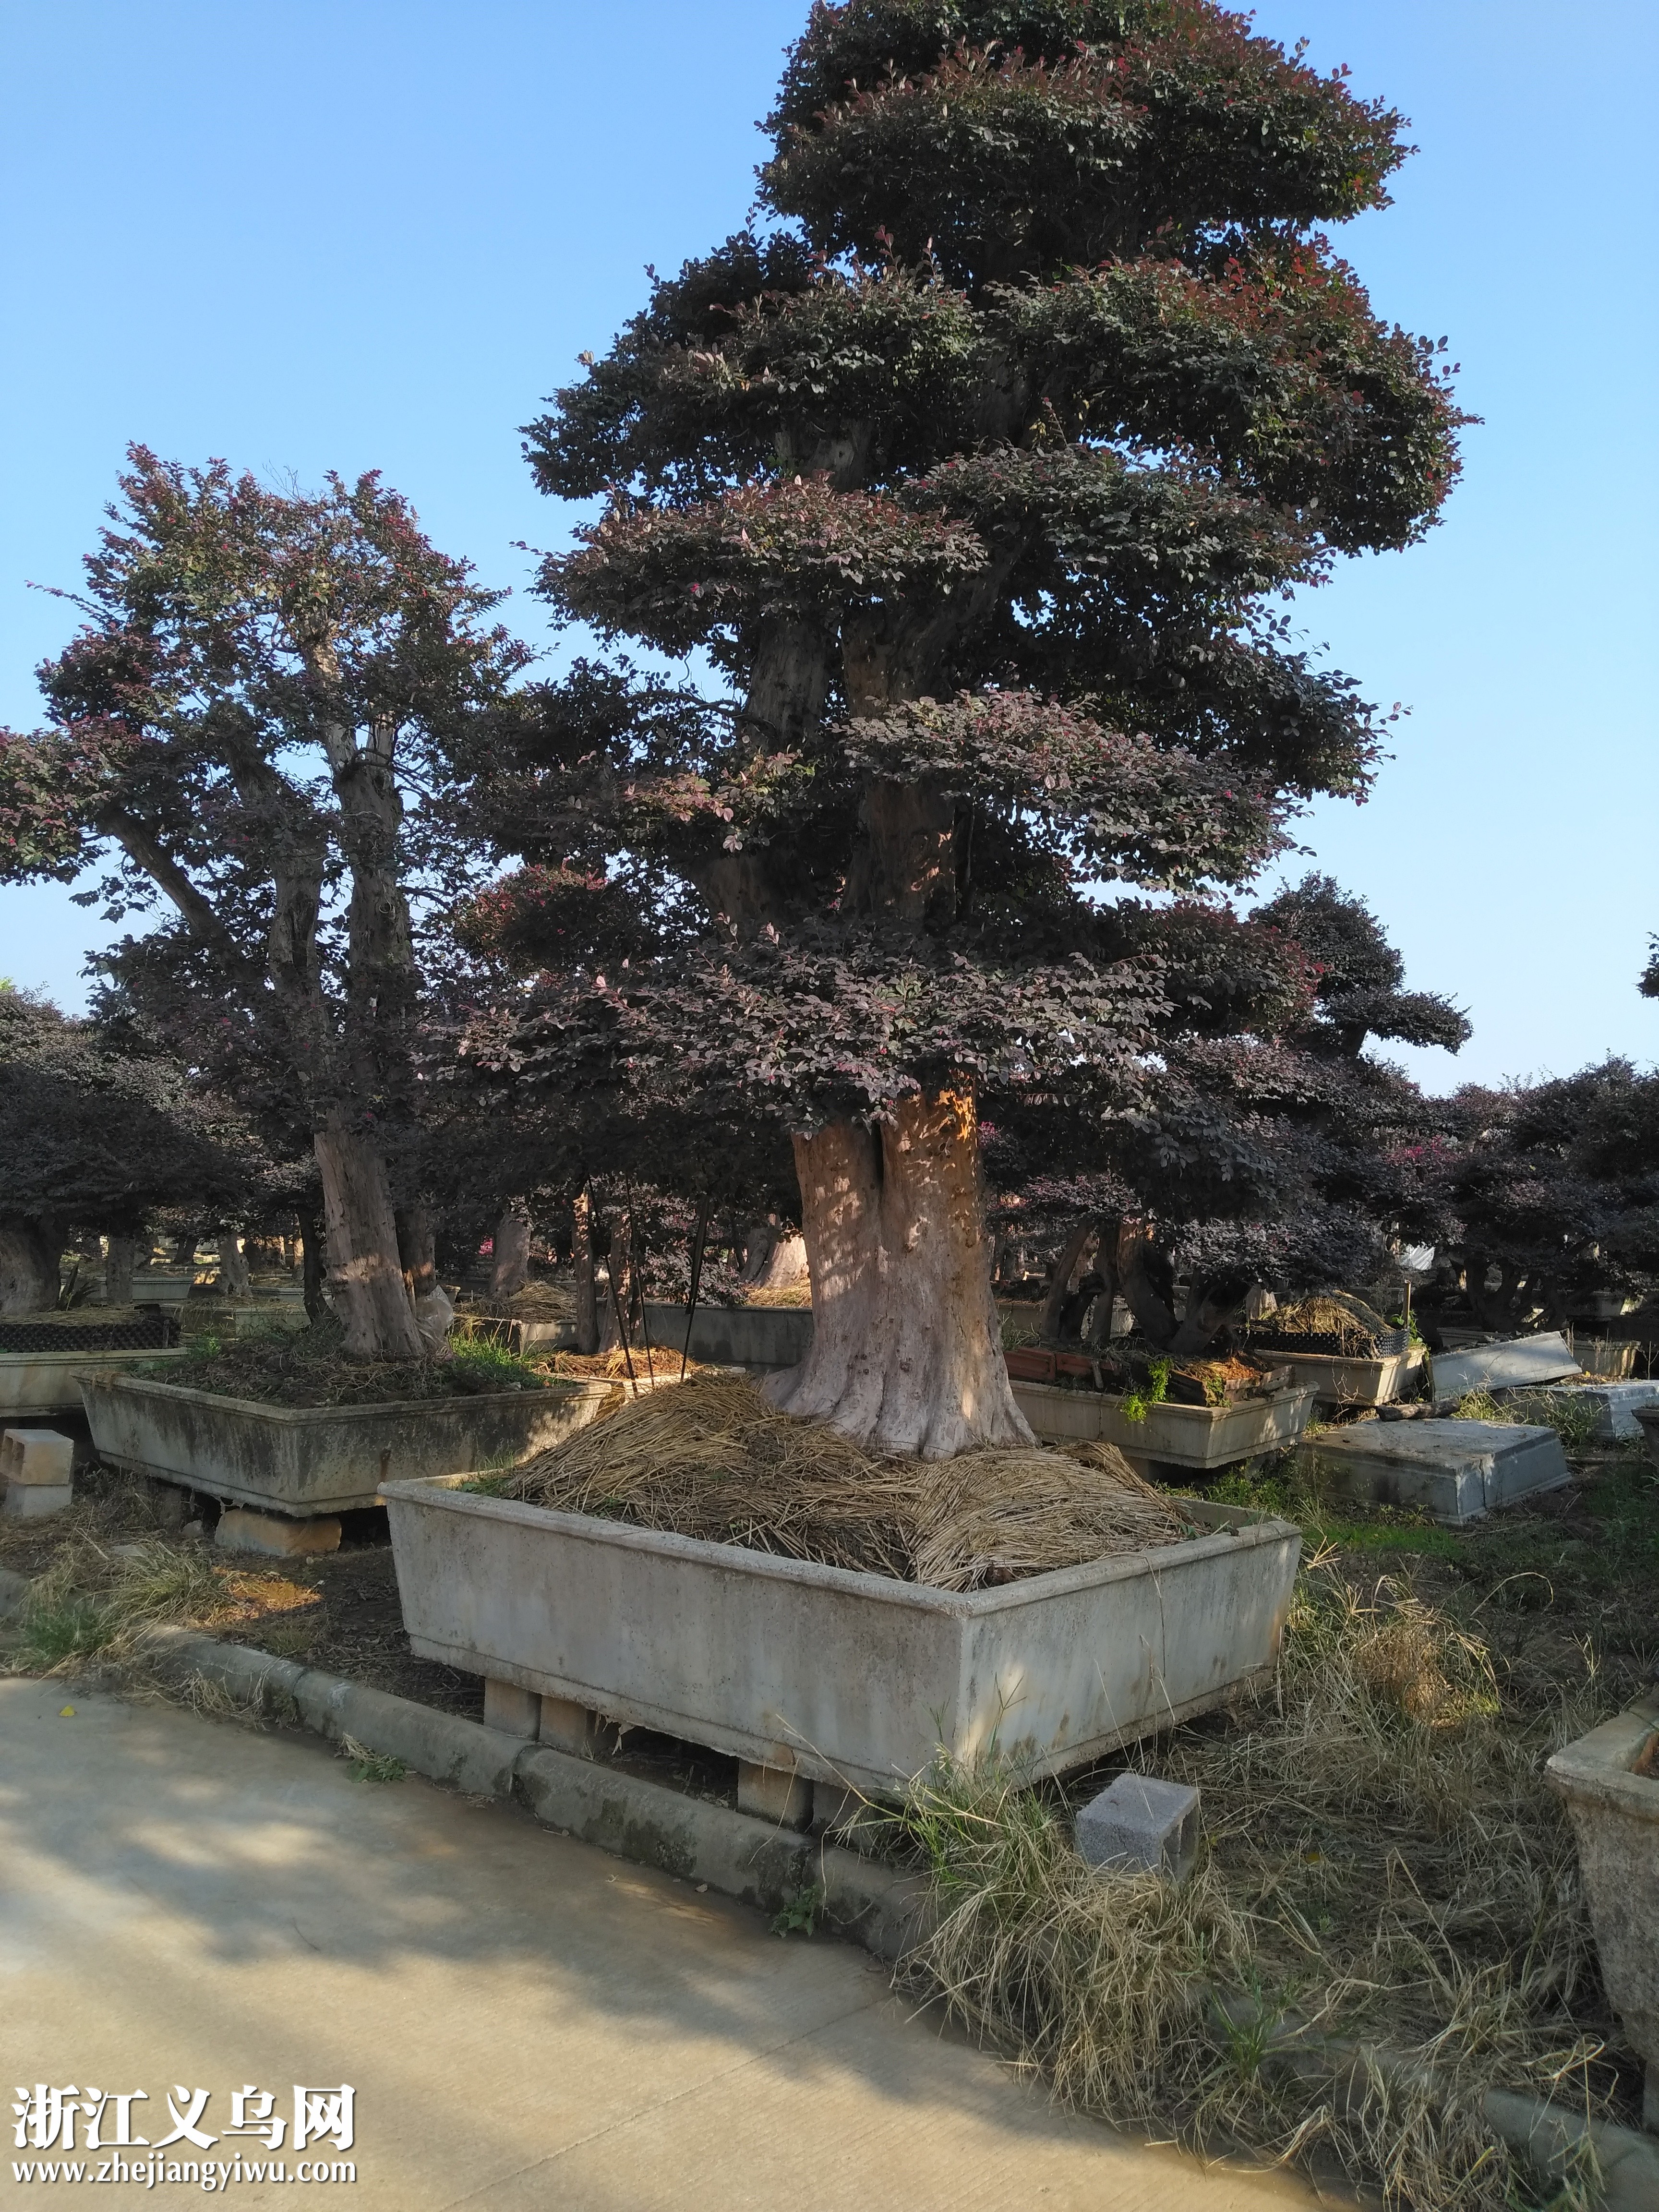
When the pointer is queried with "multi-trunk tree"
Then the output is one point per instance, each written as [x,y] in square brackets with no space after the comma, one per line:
[977,481]
[261,679]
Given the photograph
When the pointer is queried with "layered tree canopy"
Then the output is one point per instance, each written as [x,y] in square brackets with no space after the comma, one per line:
[978,479]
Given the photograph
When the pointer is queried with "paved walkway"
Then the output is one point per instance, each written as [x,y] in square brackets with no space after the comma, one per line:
[526,2023]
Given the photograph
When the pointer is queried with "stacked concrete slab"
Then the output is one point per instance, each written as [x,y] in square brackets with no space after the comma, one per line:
[36,1467]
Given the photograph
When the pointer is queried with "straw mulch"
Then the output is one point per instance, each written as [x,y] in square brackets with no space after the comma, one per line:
[713,1459]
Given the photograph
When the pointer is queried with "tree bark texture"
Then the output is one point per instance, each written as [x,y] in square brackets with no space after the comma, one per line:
[511,1270]
[234,1281]
[785,1266]
[28,1265]
[119,1264]
[906,1353]
[587,1316]
[417,1248]
[1060,1283]
[363,1268]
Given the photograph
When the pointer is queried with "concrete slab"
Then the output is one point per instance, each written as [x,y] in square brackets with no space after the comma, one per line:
[526,2022]
[1616,1404]
[1509,1366]
[1455,1470]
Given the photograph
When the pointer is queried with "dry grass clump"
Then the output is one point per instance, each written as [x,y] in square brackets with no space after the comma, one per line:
[713,1459]
[1384,1924]
[90,1600]
[1321,1315]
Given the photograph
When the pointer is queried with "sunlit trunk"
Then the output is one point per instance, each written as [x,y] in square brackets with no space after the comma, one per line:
[364,1272]
[906,1353]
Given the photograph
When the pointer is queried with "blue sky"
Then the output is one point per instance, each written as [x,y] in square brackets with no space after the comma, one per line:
[354,233]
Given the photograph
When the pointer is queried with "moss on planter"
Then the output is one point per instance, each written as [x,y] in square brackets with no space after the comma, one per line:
[309,1367]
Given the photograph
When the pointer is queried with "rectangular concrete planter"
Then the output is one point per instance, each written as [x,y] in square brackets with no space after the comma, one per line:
[736,1336]
[1455,1471]
[1610,1780]
[787,1665]
[302,1460]
[1198,1436]
[50,1382]
[162,1287]
[1336,1381]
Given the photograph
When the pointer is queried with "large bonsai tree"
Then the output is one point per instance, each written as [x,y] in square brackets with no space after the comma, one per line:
[261,677]
[975,480]
[97,1133]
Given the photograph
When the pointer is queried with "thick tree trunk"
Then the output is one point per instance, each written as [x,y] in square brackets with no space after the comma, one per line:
[906,1353]
[785,1266]
[118,1265]
[587,1316]
[364,1272]
[234,1281]
[1060,1282]
[1154,1318]
[28,1265]
[417,1248]
[512,1269]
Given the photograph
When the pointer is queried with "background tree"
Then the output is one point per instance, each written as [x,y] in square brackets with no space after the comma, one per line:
[262,679]
[1274,1152]
[1555,1187]
[975,481]
[96,1134]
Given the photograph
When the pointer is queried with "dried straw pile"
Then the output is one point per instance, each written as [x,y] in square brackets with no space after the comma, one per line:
[1321,1315]
[712,1459]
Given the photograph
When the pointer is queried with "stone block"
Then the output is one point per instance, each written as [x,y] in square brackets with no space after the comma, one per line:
[33,1501]
[776,1794]
[1455,1471]
[40,1456]
[569,1726]
[1139,1825]
[513,1710]
[276,1538]
[1513,1365]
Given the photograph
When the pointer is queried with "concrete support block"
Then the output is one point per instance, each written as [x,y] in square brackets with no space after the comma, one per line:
[34,1501]
[834,1803]
[1139,1825]
[513,1710]
[36,1456]
[776,1794]
[275,1537]
[569,1726]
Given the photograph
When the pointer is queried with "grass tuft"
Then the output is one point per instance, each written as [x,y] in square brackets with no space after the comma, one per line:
[1383,1923]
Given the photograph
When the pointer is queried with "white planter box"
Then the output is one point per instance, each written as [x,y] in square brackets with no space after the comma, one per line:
[838,1675]
[1198,1436]
[1614,1808]
[1337,1381]
[50,1382]
[306,1460]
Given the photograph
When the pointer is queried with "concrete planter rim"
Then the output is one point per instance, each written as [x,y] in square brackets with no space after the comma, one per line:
[1213,1415]
[1598,1768]
[304,1416]
[1238,1528]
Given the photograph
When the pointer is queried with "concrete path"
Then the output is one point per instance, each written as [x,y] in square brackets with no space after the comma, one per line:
[526,2023]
